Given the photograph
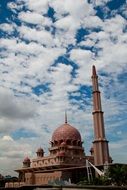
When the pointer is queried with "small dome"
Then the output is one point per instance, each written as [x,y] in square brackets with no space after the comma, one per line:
[40,150]
[26,160]
[92,149]
[66,132]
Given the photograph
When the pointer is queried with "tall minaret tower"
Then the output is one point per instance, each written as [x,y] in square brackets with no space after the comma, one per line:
[100,144]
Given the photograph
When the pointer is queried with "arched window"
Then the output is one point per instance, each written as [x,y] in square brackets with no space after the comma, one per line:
[68,142]
[75,143]
[79,143]
[55,143]
[61,141]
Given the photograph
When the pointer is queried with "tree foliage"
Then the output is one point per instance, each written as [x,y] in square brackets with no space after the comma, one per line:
[118,174]
[115,175]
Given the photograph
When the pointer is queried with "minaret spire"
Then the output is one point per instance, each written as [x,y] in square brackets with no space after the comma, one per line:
[94,71]
[65,116]
[100,144]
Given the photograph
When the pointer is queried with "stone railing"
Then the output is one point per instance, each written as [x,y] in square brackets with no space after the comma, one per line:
[14,184]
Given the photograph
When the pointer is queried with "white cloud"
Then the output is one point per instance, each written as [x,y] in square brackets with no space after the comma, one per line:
[12,154]
[87,43]
[78,10]
[83,58]
[16,113]
[66,23]
[43,37]
[92,22]
[112,44]
[14,6]
[99,2]
[37,6]
[115,25]
[7,138]
[15,108]
[9,28]
[117,149]
[34,18]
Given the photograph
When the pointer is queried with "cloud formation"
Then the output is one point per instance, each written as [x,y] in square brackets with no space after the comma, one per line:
[47,50]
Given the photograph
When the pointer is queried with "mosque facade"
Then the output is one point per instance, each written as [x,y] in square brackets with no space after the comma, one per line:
[67,159]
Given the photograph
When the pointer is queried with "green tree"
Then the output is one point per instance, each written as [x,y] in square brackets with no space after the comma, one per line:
[118,174]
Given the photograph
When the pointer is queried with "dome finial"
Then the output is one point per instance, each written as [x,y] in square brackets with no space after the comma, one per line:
[65,116]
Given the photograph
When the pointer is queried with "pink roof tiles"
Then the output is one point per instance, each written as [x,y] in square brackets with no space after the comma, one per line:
[66,132]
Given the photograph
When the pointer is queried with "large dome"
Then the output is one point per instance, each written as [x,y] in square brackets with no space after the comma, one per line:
[66,132]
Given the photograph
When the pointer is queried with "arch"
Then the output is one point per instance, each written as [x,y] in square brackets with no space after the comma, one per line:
[55,143]
[52,144]
[69,142]
[79,143]
[75,142]
[61,141]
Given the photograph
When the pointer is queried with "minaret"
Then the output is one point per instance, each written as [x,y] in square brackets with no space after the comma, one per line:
[100,144]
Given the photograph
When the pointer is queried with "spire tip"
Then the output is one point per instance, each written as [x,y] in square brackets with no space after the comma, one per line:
[94,70]
[65,117]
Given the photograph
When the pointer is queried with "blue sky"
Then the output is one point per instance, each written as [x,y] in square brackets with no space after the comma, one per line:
[47,49]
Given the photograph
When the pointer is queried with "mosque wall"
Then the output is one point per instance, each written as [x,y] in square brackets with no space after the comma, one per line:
[46,178]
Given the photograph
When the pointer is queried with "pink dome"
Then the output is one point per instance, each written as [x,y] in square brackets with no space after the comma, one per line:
[66,132]
[40,150]
[26,160]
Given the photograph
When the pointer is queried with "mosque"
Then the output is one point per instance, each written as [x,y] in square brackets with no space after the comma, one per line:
[67,158]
